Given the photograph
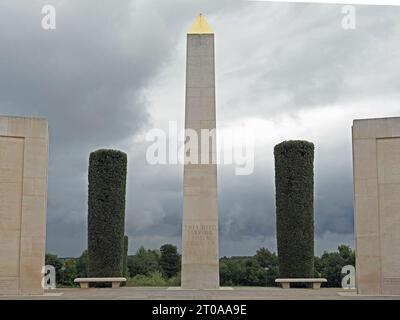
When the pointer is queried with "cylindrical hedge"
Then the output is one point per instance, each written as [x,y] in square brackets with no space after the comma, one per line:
[106,216]
[294,183]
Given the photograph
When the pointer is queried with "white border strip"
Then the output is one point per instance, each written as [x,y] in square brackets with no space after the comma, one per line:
[350,2]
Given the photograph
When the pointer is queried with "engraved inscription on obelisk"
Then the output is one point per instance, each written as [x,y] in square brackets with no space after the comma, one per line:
[200,247]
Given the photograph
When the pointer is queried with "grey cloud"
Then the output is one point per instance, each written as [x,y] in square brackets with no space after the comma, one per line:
[299,57]
[65,237]
[88,77]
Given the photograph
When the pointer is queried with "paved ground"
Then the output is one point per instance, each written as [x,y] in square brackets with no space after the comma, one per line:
[246,293]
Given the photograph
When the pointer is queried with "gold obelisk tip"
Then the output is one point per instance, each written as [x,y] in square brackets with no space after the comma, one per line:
[200,26]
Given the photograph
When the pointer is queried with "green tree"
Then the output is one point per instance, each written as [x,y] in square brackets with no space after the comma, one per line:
[255,275]
[144,262]
[347,254]
[82,265]
[69,272]
[169,260]
[56,262]
[269,261]
[53,260]
[225,274]
[242,271]
[330,265]
[266,258]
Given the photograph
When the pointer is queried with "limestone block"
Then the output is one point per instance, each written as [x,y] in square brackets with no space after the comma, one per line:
[35,156]
[3,126]
[208,92]
[27,127]
[9,252]
[364,151]
[371,128]
[368,222]
[194,92]
[10,204]
[9,285]
[35,186]
[368,275]
[366,187]
[368,245]
[388,160]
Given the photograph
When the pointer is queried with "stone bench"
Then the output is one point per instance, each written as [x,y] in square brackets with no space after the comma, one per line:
[84,282]
[316,282]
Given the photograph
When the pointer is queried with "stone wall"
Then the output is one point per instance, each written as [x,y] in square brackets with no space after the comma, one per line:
[376,166]
[23,198]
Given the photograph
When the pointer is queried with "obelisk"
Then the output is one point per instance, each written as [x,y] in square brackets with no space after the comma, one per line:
[200,247]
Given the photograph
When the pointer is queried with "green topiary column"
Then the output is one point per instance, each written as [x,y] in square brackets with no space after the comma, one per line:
[294,183]
[106,216]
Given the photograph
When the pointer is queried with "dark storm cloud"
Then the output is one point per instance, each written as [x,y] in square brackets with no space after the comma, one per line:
[246,204]
[80,75]
[88,78]
[65,237]
[85,77]
[333,189]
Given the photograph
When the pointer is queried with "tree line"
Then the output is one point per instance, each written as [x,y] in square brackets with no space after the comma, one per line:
[161,267]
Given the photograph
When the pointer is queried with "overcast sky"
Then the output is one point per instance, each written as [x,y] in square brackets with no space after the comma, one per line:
[113,70]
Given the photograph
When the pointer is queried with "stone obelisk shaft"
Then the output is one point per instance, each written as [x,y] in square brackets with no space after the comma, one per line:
[200,246]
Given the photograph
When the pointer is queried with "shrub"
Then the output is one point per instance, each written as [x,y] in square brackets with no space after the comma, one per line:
[106,217]
[69,272]
[242,271]
[175,281]
[125,257]
[154,279]
[294,183]
[56,262]
[82,265]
